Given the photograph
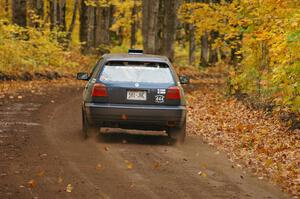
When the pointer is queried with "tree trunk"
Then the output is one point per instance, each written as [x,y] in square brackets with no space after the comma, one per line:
[61,15]
[204,50]
[91,29]
[145,22]
[209,55]
[38,7]
[120,36]
[160,25]
[6,8]
[73,21]
[87,22]
[133,26]
[192,44]
[213,52]
[150,10]
[102,25]
[53,13]
[170,28]
[19,12]
[84,25]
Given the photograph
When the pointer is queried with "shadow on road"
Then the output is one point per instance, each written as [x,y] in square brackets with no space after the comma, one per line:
[125,137]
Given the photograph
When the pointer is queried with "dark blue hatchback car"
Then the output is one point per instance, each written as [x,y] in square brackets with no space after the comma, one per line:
[134,91]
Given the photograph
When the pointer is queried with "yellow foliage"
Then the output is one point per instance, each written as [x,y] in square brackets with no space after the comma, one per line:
[270,31]
[123,17]
[28,49]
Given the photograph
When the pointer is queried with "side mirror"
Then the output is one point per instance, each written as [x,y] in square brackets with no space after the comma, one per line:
[184,79]
[83,76]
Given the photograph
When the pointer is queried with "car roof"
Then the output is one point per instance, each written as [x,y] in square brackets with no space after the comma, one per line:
[135,57]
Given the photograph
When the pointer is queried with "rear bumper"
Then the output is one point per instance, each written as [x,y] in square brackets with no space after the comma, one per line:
[150,117]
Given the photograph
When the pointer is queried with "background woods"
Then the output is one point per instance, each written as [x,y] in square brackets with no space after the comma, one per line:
[238,52]
[256,41]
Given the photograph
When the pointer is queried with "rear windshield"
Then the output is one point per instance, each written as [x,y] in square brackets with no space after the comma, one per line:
[138,72]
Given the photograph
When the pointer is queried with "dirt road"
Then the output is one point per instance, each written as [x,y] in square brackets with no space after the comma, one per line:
[44,156]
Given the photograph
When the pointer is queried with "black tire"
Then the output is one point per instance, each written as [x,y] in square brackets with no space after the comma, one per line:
[85,126]
[87,129]
[178,133]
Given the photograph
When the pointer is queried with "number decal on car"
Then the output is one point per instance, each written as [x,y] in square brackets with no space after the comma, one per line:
[159,99]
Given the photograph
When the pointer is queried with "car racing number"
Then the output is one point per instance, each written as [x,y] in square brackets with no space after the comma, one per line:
[160,97]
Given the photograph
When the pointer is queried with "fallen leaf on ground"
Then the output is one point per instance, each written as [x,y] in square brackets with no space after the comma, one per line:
[43,155]
[129,164]
[251,138]
[157,165]
[200,173]
[59,180]
[99,166]
[69,188]
[32,184]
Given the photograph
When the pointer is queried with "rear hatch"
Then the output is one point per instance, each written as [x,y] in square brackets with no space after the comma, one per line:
[144,83]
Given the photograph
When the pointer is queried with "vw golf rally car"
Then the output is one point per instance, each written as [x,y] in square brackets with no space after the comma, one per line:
[134,91]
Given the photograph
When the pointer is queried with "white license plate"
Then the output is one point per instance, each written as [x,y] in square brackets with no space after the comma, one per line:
[137,95]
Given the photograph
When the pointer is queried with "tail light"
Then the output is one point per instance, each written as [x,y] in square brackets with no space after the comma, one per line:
[99,90]
[173,93]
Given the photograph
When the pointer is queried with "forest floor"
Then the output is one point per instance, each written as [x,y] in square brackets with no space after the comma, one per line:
[254,139]
[44,156]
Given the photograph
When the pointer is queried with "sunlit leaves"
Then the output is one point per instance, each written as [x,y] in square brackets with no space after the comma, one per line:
[69,188]
[124,17]
[29,49]
[270,43]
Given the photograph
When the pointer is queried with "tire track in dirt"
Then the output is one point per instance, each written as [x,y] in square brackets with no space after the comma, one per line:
[118,163]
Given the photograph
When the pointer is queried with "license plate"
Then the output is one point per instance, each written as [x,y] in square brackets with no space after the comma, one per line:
[137,95]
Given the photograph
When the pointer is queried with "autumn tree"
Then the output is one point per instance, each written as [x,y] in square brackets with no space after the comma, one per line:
[73,20]
[37,7]
[260,39]
[103,20]
[6,7]
[58,14]
[159,26]
[168,39]
[95,23]
[192,44]
[36,11]
[53,13]
[87,17]
[19,12]
[61,15]
[134,25]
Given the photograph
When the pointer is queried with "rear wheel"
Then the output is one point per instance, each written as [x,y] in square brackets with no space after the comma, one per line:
[178,133]
[86,127]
